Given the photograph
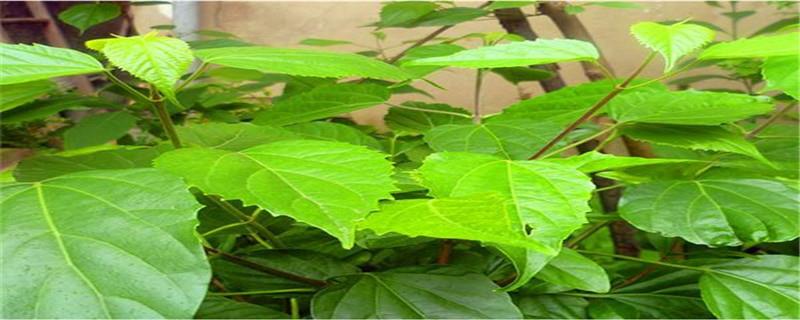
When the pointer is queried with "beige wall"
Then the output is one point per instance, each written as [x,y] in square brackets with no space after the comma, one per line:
[285,23]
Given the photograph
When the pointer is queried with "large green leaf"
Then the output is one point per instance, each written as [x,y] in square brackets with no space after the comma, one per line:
[595,161]
[301,62]
[565,105]
[716,212]
[549,198]
[332,131]
[323,102]
[414,294]
[571,269]
[25,63]
[434,50]
[779,143]
[510,139]
[98,129]
[763,287]
[222,308]
[48,166]
[156,59]
[15,95]
[759,47]
[547,306]
[695,137]
[328,185]
[233,137]
[478,217]
[420,121]
[84,16]
[781,73]
[516,54]
[688,107]
[101,244]
[672,41]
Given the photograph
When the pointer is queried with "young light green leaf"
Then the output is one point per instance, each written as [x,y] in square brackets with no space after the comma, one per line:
[323,102]
[762,287]
[573,270]
[222,308]
[68,250]
[156,59]
[595,161]
[482,218]
[516,54]
[715,212]
[424,116]
[332,131]
[85,16]
[43,167]
[98,129]
[781,73]
[509,139]
[758,47]
[316,186]
[26,63]
[301,62]
[695,137]
[15,95]
[233,137]
[414,294]
[565,105]
[688,107]
[672,41]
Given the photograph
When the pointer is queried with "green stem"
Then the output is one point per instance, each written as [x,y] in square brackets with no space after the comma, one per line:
[663,264]
[233,225]
[572,243]
[582,141]
[125,86]
[167,124]
[294,307]
[665,76]
[593,109]
[202,68]
[262,268]
[230,209]
[260,292]
[772,119]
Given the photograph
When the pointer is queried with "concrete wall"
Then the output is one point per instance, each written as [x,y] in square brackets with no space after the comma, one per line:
[285,23]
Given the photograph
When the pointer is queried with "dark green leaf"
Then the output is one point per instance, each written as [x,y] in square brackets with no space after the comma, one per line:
[404,13]
[48,166]
[98,129]
[84,16]
[553,307]
[15,95]
[450,16]
[323,102]
[222,308]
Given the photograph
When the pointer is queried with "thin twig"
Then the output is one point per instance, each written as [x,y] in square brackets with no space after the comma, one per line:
[264,269]
[769,121]
[445,250]
[572,243]
[167,124]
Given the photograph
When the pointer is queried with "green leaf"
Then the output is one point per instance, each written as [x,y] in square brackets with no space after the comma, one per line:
[316,186]
[616,4]
[404,13]
[419,121]
[323,42]
[43,167]
[323,102]
[762,287]
[428,51]
[688,107]
[222,308]
[553,307]
[695,138]
[482,218]
[510,139]
[517,75]
[98,129]
[156,59]
[233,137]
[672,41]
[495,5]
[781,73]
[301,62]
[573,270]
[565,105]
[68,249]
[594,161]
[332,131]
[715,212]
[757,47]
[550,199]
[26,63]
[449,17]
[414,294]
[85,16]
[516,54]
[15,95]
[40,109]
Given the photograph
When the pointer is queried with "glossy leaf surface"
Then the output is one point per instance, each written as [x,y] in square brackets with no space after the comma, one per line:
[688,107]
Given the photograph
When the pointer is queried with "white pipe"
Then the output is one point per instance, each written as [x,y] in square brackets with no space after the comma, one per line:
[186,18]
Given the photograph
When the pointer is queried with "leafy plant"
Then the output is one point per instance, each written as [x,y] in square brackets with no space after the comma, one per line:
[221,199]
